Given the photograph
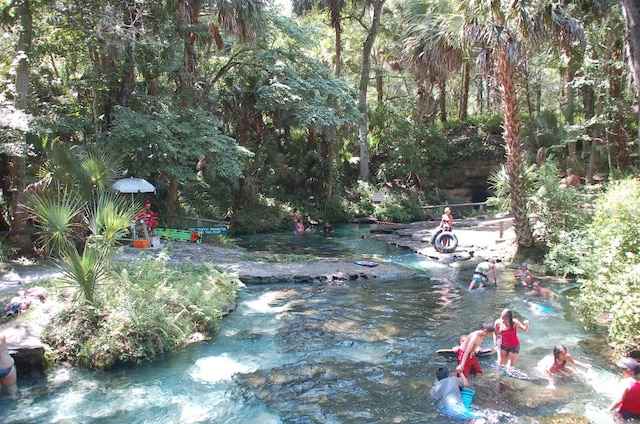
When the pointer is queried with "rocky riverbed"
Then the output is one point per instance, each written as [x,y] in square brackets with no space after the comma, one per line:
[479,239]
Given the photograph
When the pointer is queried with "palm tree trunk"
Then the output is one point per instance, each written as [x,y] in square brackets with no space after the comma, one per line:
[513,147]
[464,95]
[442,100]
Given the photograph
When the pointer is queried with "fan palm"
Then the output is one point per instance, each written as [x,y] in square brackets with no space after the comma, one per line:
[79,218]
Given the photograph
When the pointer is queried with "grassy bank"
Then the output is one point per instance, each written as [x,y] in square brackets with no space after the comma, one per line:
[145,309]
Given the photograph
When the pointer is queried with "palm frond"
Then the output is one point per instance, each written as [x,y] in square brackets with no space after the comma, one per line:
[56,213]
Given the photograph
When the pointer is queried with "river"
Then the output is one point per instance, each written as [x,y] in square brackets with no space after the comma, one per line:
[359,352]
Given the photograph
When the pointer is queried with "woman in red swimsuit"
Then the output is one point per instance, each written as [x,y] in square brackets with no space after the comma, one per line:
[506,328]
[627,403]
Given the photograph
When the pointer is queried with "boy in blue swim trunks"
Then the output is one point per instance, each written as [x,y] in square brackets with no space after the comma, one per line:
[8,377]
[481,274]
[447,393]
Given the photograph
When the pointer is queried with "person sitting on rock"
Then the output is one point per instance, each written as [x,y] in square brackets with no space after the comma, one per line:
[523,274]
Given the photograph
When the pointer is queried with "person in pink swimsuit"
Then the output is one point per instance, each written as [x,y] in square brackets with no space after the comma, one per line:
[627,402]
[555,365]
[506,328]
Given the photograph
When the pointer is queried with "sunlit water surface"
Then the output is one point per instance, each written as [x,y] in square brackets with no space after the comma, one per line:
[362,352]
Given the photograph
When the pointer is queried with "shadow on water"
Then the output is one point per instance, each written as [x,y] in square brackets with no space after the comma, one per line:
[358,353]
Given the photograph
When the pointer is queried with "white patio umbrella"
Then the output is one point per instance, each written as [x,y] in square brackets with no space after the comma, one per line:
[133,186]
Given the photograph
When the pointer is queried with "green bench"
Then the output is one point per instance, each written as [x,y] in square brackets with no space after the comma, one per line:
[171,234]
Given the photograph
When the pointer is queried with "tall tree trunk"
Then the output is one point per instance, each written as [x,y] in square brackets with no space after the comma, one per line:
[189,11]
[513,147]
[589,105]
[17,173]
[480,94]
[133,20]
[327,151]
[572,66]
[442,99]
[632,15]
[615,74]
[336,20]
[379,84]
[363,132]
[464,95]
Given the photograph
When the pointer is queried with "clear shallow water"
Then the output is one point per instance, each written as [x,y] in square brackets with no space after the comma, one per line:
[357,353]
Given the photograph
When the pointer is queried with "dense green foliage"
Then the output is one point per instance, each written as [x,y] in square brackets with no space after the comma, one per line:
[148,309]
[610,293]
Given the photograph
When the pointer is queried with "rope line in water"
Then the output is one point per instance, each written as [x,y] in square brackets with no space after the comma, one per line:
[387,223]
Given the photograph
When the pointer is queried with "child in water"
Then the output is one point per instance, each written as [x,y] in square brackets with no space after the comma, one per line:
[8,374]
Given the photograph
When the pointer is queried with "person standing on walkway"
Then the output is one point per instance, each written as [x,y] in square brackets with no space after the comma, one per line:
[480,275]
[627,401]
[8,374]
[506,329]
[446,223]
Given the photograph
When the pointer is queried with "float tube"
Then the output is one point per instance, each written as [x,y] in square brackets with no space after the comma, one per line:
[453,242]
[435,234]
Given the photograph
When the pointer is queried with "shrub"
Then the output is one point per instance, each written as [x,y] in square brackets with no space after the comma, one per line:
[149,310]
[610,294]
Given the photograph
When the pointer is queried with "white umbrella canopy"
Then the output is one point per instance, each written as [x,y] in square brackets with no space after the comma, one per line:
[133,185]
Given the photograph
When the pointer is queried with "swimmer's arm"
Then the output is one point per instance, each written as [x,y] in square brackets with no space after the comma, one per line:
[465,382]
[621,395]
[578,363]
[524,326]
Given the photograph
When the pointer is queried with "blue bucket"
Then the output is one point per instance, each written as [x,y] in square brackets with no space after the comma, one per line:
[467,394]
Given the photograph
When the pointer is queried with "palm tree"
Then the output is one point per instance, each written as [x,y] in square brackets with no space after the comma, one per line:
[334,7]
[79,217]
[499,28]
[243,19]
[435,44]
